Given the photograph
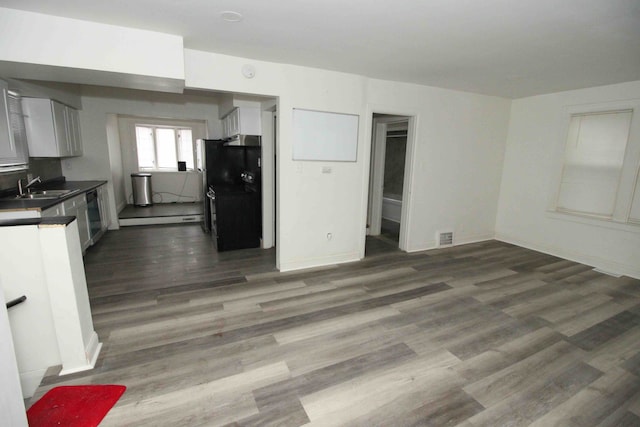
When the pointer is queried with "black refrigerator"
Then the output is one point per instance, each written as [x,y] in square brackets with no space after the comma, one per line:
[238,204]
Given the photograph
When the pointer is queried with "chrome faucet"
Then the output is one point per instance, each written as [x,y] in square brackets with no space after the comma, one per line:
[26,187]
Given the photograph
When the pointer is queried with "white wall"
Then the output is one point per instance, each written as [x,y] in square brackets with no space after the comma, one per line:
[310,204]
[53,326]
[34,334]
[536,137]
[60,47]
[167,187]
[457,160]
[226,104]
[66,93]
[11,403]
[100,102]
[457,168]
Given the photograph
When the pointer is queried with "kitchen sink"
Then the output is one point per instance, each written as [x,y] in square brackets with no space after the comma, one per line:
[46,194]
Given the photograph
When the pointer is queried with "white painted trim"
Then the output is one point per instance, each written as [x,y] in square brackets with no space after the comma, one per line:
[409,168]
[375,174]
[458,240]
[376,180]
[160,220]
[93,349]
[627,227]
[407,186]
[629,171]
[267,157]
[92,357]
[321,261]
[29,381]
[593,261]
[115,224]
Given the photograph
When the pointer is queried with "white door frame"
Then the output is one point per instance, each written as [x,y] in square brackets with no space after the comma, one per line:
[376,183]
[268,178]
[378,151]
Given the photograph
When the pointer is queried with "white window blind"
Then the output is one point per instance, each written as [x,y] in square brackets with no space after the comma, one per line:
[159,148]
[593,162]
[146,149]
[185,147]
[634,215]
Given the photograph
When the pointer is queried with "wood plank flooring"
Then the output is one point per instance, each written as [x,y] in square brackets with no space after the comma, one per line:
[487,334]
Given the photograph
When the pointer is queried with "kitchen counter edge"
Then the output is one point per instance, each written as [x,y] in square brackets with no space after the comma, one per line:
[43,204]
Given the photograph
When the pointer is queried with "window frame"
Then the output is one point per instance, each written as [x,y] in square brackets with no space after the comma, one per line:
[630,173]
[198,131]
[176,132]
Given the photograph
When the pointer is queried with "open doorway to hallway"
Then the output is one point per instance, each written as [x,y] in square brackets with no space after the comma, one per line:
[387,180]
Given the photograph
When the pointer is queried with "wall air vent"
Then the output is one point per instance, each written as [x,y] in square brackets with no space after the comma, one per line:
[445,238]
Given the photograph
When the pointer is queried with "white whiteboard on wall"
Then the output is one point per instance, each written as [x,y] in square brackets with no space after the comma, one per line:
[324,136]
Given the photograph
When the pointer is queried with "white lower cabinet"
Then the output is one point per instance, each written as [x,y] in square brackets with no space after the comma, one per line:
[77,207]
[52,212]
[103,204]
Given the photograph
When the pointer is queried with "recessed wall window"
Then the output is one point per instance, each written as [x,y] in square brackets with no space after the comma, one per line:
[160,148]
[600,166]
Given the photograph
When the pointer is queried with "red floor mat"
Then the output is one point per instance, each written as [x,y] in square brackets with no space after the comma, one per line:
[74,406]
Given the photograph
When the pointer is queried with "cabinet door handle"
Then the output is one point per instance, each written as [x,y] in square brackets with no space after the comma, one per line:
[16,301]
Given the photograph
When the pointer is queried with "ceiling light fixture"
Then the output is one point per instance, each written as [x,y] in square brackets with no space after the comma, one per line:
[230,16]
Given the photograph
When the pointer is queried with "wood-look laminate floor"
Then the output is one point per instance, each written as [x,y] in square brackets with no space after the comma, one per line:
[487,334]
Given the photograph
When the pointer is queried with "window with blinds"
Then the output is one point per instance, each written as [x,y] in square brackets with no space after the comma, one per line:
[160,148]
[600,167]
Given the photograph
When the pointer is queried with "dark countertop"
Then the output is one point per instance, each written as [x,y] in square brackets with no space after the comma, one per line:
[42,204]
[57,220]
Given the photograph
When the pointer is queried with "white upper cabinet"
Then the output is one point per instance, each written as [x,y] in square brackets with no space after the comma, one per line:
[242,121]
[60,133]
[233,122]
[53,129]
[13,144]
[73,130]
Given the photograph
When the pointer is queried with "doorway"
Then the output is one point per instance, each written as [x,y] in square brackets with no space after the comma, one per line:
[388,180]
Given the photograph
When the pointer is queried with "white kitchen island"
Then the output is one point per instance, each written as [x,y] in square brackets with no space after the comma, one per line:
[42,259]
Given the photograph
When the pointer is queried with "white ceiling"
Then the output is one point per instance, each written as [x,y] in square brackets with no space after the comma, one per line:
[509,48]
